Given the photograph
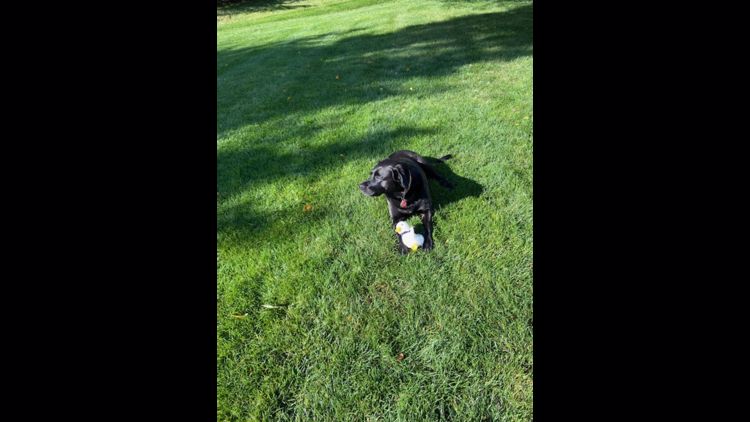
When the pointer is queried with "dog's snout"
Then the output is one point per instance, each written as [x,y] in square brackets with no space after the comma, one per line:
[365,188]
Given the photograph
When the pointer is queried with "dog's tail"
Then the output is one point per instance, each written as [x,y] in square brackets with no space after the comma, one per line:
[444,158]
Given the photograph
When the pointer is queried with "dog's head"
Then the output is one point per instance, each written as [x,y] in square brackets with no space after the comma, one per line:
[386,177]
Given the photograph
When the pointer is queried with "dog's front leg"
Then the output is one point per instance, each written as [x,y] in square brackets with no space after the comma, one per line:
[427,223]
[396,217]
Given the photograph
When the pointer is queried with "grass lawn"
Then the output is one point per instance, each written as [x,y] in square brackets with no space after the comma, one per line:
[310,95]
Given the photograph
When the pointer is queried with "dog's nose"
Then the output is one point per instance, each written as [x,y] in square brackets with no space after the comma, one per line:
[365,188]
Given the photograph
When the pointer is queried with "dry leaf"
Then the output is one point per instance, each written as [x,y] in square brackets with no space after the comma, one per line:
[307,208]
[400,357]
[273,306]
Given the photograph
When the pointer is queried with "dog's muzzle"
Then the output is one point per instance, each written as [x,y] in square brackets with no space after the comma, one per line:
[365,188]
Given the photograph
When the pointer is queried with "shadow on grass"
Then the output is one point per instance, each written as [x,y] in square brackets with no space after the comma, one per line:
[267,161]
[228,8]
[463,186]
[480,3]
[257,84]
[244,223]
[285,82]
[239,169]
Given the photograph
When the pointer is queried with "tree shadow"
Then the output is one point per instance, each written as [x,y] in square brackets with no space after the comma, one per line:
[260,83]
[480,3]
[238,168]
[232,7]
[280,84]
[244,224]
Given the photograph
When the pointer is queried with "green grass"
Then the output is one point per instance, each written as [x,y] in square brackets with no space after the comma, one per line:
[436,77]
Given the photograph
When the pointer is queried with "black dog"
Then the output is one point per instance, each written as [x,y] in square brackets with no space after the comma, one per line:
[402,177]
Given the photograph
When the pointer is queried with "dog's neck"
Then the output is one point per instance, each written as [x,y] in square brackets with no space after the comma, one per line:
[397,195]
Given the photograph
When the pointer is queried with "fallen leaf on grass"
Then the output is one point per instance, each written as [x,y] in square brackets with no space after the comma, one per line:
[273,306]
[307,208]
[400,357]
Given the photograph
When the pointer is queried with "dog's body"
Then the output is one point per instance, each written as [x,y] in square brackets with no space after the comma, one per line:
[402,178]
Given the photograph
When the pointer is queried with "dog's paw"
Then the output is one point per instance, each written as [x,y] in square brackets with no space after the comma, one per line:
[428,245]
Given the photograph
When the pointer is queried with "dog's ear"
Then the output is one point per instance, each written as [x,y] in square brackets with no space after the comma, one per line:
[401,175]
